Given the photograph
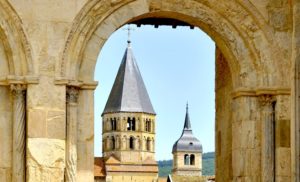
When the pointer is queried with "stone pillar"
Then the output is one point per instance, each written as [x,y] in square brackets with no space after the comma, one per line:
[268,137]
[71,143]
[295,124]
[246,134]
[19,137]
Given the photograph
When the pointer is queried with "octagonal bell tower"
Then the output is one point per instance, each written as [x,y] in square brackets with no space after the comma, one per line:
[128,117]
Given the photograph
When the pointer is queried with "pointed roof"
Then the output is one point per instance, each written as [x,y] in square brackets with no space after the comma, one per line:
[187,123]
[128,93]
[187,141]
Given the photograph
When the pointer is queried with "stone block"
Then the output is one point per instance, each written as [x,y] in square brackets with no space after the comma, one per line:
[238,162]
[37,124]
[283,134]
[236,135]
[247,132]
[282,109]
[283,162]
[255,161]
[280,19]
[46,95]
[283,178]
[56,125]
[5,174]
[44,174]
[45,153]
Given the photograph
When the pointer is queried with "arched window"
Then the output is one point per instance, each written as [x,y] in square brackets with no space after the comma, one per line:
[113,124]
[113,143]
[131,124]
[148,144]
[186,159]
[148,126]
[192,159]
[131,143]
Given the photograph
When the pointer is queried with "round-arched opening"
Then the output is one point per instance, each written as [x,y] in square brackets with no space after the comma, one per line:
[237,44]
[131,143]
[186,159]
[192,158]
[231,37]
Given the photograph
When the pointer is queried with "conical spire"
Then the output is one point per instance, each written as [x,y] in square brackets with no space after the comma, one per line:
[129,93]
[187,123]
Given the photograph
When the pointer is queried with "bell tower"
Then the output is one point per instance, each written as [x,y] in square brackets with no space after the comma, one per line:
[128,117]
[187,152]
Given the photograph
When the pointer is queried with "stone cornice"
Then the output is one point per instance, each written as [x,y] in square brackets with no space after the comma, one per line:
[25,80]
[80,84]
[254,92]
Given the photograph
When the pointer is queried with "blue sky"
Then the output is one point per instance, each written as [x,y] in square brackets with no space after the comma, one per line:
[177,65]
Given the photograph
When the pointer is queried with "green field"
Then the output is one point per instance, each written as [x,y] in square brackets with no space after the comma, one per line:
[208,168]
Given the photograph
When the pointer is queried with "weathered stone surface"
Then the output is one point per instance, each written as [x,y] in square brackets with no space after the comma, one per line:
[283,162]
[45,174]
[43,152]
[5,129]
[55,125]
[46,95]
[5,174]
[45,159]
[37,123]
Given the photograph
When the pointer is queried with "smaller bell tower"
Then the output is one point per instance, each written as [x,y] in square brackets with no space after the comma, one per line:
[187,152]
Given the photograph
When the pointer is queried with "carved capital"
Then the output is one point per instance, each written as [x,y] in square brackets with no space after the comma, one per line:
[266,100]
[72,94]
[18,90]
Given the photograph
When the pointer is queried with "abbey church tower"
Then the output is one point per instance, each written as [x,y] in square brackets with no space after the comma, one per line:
[128,122]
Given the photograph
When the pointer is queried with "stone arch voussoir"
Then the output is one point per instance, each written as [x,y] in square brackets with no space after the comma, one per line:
[16,46]
[238,32]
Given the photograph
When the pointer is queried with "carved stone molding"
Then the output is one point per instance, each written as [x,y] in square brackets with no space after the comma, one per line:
[72,94]
[19,137]
[241,92]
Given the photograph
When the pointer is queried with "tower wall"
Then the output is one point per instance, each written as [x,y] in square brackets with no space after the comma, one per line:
[179,167]
[143,143]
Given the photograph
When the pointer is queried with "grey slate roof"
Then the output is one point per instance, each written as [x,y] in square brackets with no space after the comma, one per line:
[128,93]
[187,142]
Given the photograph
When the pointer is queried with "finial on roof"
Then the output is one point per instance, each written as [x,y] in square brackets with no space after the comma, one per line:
[187,106]
[129,34]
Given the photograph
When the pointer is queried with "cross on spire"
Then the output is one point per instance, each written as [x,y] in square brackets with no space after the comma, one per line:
[129,33]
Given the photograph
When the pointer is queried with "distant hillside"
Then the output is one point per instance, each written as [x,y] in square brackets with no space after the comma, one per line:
[208,168]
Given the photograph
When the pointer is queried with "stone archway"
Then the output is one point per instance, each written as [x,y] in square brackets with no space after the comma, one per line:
[16,72]
[246,47]
[256,42]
